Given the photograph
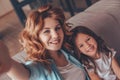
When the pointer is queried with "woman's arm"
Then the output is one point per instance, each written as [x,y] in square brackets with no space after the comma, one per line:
[7,65]
[17,71]
[116,67]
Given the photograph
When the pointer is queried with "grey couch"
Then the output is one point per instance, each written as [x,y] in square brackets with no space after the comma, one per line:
[103,18]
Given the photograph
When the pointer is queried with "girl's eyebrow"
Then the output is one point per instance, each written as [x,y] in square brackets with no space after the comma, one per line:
[88,36]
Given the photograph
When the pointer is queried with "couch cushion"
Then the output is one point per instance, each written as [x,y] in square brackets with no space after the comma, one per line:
[111,7]
[104,19]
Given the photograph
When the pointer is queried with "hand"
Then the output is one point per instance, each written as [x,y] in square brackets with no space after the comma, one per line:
[5,59]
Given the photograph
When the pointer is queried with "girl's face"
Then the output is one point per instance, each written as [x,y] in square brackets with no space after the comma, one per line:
[52,34]
[86,44]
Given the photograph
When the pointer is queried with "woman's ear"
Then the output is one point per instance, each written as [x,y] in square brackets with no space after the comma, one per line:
[67,30]
[68,26]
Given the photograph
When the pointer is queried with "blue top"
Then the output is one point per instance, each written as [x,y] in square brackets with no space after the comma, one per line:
[38,72]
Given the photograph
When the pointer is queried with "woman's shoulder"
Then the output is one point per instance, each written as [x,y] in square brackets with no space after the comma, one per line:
[31,62]
[34,66]
[36,69]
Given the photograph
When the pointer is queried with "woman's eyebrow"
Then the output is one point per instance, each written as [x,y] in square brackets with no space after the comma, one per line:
[46,28]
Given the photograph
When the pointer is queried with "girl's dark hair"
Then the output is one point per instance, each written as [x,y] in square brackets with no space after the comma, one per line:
[101,46]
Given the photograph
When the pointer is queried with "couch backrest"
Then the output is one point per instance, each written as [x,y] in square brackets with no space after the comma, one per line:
[103,17]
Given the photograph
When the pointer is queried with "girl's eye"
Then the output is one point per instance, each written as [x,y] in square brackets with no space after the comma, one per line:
[88,39]
[46,31]
[81,45]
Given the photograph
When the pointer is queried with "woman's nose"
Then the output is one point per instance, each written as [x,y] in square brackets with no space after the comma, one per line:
[55,34]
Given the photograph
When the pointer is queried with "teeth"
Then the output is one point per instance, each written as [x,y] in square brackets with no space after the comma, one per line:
[55,42]
[90,48]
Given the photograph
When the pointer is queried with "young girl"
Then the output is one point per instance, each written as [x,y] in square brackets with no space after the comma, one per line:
[42,39]
[96,56]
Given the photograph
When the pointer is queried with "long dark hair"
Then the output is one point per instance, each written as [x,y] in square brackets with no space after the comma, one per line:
[101,45]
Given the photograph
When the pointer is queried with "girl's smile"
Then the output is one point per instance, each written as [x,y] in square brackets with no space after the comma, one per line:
[87,45]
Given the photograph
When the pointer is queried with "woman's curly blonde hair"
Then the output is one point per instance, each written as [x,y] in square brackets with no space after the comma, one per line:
[29,37]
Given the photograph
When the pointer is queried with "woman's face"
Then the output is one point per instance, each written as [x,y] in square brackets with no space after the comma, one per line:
[86,44]
[52,34]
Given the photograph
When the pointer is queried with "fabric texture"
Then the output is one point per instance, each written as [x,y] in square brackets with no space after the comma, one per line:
[104,69]
[38,72]
[70,69]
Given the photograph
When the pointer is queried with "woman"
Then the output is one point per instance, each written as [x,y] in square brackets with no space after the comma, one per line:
[42,39]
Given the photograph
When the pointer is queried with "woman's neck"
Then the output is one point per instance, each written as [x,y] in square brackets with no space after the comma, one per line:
[54,54]
[58,58]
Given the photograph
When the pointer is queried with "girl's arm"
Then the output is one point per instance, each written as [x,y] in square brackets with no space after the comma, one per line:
[7,65]
[93,76]
[116,67]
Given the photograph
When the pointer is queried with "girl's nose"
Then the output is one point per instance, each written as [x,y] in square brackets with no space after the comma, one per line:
[87,44]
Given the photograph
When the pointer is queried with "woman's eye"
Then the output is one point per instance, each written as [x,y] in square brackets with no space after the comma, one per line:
[58,28]
[46,31]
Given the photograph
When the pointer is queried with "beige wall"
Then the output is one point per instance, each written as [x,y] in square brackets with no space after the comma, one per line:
[5,7]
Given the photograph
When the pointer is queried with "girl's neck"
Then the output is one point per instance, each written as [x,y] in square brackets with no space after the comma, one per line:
[97,56]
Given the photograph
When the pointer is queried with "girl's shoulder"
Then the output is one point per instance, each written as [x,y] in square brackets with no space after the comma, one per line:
[112,52]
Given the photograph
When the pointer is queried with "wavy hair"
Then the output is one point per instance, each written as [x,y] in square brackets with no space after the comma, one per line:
[29,37]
